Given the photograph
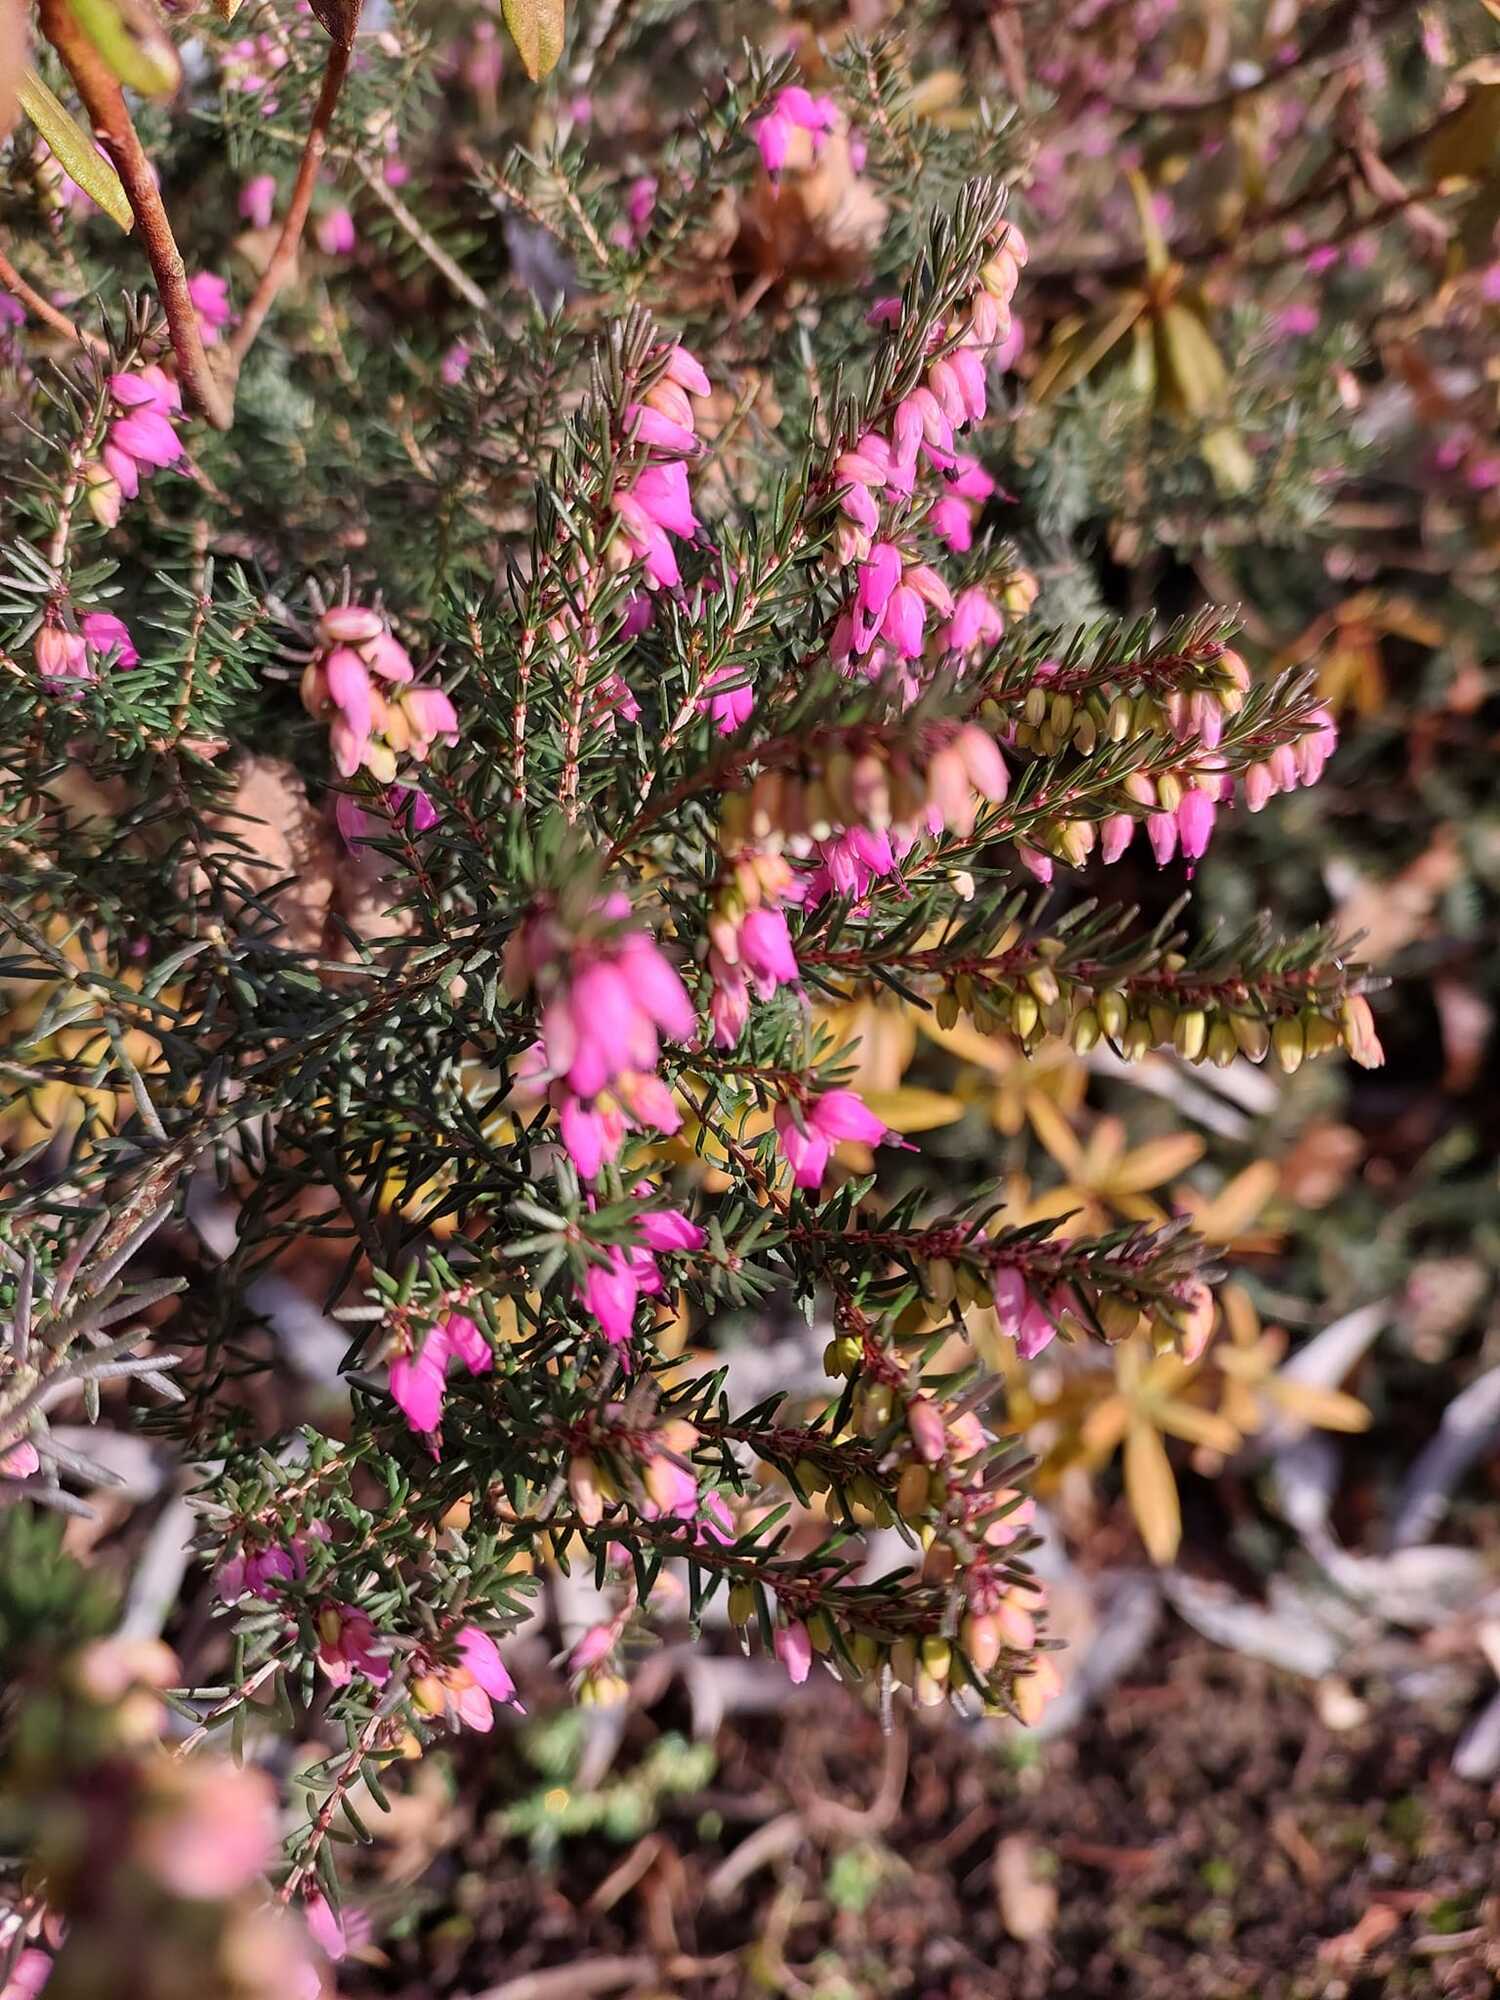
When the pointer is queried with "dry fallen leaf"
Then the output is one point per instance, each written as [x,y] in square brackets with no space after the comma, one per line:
[1028,1903]
[275,845]
[1391,914]
[818,219]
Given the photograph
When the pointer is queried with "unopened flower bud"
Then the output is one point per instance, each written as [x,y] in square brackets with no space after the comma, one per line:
[1190,1033]
[912,1491]
[1113,1014]
[1137,1038]
[875,1407]
[1035,1690]
[1222,1045]
[1118,1317]
[1252,1036]
[936,1656]
[1198,1321]
[1288,1042]
[583,1485]
[980,1638]
[1360,1037]
[1320,1035]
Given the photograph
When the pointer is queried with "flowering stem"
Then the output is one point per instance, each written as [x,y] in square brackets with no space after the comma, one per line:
[105,103]
[1273,992]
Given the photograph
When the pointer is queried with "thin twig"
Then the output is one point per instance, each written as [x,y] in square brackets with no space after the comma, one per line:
[428,244]
[284,256]
[44,309]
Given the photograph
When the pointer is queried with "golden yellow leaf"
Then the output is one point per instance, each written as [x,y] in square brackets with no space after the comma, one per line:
[1154,244]
[965,1042]
[74,149]
[1152,1493]
[1158,1160]
[1193,377]
[1238,1203]
[1326,1409]
[909,1109]
[936,92]
[1192,381]
[1195,1426]
[1240,1316]
[1105,1425]
[1055,1133]
[536,27]
[1076,355]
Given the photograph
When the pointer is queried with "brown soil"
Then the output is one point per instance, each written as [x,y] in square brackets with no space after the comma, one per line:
[1206,1835]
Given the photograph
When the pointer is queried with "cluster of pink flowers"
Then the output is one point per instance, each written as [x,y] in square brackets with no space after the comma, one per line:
[884,803]
[1181,807]
[260,1569]
[64,655]
[657,504]
[612,1290]
[893,591]
[750,946]
[465,1690]
[793,110]
[362,678]
[419,1369]
[605,1002]
[468,1689]
[808,1132]
[659,1460]
[140,440]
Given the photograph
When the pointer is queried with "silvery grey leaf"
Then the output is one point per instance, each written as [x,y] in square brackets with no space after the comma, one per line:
[1471,1424]
[1220,1614]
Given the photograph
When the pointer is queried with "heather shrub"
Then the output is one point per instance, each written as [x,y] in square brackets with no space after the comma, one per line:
[559,614]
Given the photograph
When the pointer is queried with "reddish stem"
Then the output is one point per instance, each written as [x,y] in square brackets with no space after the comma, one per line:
[284,256]
[104,101]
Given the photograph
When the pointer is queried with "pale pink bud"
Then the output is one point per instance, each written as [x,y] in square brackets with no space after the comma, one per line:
[1118,832]
[350,625]
[925,1423]
[1161,828]
[794,1650]
[687,370]
[468,1342]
